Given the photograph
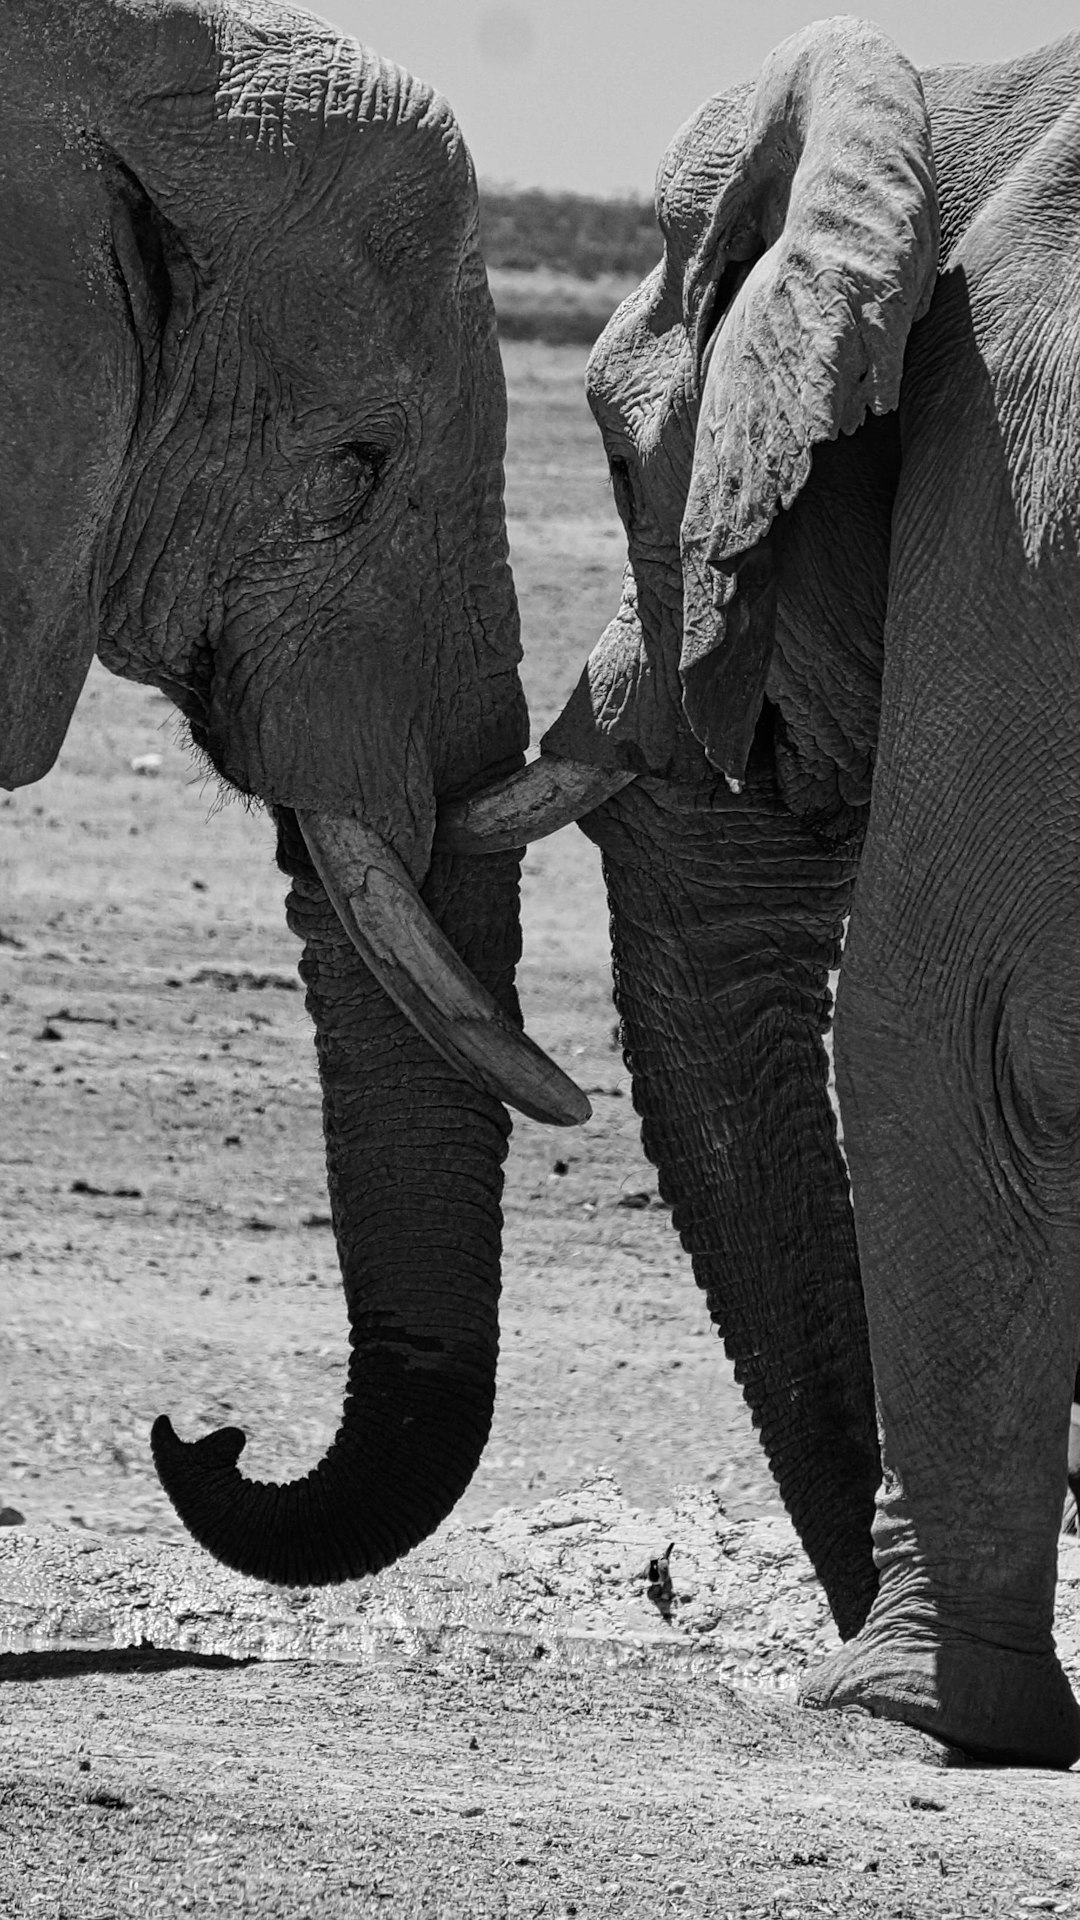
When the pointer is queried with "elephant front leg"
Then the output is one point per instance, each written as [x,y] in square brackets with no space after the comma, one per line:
[958,1062]
[973,1321]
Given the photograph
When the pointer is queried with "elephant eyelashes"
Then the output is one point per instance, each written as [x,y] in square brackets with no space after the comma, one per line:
[339,484]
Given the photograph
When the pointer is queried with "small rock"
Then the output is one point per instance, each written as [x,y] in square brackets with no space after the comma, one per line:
[11,1517]
[658,1574]
[925,1804]
[146,763]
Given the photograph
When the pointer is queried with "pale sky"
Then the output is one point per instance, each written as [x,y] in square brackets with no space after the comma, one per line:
[586,94]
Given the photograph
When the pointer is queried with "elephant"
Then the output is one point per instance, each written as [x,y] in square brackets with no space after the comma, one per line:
[252,424]
[843,684]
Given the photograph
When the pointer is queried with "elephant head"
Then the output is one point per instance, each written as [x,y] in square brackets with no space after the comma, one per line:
[739,682]
[251,452]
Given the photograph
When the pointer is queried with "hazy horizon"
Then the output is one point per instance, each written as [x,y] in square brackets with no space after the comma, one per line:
[584,95]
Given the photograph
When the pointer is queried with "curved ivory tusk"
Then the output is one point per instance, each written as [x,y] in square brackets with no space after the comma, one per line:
[414,963]
[544,796]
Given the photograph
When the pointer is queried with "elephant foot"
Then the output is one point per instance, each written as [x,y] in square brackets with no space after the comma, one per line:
[997,1705]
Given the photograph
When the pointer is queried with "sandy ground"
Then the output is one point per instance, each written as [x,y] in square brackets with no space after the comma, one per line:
[165,1247]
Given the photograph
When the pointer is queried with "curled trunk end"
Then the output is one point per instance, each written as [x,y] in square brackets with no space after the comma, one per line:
[414,1159]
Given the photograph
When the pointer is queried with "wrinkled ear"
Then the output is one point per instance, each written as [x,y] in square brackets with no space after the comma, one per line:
[69,382]
[835,191]
[82,289]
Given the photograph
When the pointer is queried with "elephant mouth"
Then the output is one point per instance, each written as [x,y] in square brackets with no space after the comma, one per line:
[409,955]
[404,948]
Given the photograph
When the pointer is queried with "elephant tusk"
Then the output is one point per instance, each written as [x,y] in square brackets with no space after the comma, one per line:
[393,932]
[548,794]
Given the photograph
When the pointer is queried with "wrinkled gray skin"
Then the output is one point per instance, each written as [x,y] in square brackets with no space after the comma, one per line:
[251,438]
[907,604]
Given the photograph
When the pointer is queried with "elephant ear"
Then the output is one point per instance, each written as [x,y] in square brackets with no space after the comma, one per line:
[834,192]
[84,280]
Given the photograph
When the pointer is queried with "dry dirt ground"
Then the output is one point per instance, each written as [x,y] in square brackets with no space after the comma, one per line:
[518,1721]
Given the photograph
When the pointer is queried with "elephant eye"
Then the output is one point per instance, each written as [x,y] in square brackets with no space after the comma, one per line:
[622,489]
[718,297]
[339,483]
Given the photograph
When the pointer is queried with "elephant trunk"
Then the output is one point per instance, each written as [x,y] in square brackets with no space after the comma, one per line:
[414,1158]
[726,919]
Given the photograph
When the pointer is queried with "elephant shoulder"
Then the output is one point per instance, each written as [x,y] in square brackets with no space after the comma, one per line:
[1016,275]
[984,121]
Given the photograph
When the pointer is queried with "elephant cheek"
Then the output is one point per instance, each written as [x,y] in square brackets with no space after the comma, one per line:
[327,736]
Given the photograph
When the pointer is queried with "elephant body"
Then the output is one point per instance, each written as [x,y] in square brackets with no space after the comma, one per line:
[252,425]
[842,429]
[958,1035]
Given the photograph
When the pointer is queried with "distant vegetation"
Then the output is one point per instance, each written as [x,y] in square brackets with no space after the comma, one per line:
[560,263]
[568,233]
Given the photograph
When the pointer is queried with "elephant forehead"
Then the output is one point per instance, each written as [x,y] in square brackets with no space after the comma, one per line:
[275,88]
[696,168]
[642,379]
[362,344]
[294,126]
[348,136]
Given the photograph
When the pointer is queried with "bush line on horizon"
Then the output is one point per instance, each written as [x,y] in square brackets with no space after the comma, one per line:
[560,263]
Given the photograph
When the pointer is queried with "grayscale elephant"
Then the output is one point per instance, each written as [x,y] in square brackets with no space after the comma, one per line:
[251,438]
[843,429]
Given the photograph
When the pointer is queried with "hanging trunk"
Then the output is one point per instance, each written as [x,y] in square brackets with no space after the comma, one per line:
[726,918]
[414,1157]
